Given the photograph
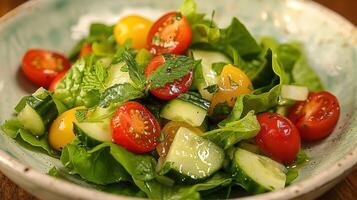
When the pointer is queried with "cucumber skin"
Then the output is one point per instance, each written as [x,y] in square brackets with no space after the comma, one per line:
[243,180]
[45,108]
[195,100]
[84,138]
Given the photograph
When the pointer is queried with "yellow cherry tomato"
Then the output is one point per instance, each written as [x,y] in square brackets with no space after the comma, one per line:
[61,130]
[169,132]
[133,27]
[232,83]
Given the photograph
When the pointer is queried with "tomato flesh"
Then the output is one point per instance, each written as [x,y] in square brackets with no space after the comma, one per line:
[42,66]
[173,89]
[316,117]
[170,34]
[135,128]
[56,81]
[278,137]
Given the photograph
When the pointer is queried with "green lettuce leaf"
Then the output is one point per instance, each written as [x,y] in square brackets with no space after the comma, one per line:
[94,166]
[263,99]
[295,63]
[120,93]
[157,191]
[70,90]
[233,132]
[15,130]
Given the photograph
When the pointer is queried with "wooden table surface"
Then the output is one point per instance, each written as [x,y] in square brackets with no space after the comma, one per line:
[346,190]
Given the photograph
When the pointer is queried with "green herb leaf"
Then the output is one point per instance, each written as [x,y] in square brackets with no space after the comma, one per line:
[94,77]
[174,67]
[212,89]
[135,71]
[233,132]
[221,109]
[120,93]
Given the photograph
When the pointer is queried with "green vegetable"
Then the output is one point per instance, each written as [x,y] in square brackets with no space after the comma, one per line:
[175,67]
[143,58]
[94,77]
[120,93]
[15,130]
[70,91]
[96,166]
[232,132]
[135,71]
[258,102]
[157,191]
[192,158]
[121,188]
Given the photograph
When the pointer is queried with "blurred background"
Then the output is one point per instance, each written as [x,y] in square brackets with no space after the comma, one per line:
[346,190]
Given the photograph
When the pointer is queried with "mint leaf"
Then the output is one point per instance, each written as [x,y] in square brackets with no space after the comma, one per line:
[174,67]
[222,109]
[120,93]
[94,77]
[135,71]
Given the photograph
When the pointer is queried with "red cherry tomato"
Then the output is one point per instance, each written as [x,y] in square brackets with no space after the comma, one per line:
[56,81]
[170,34]
[278,137]
[85,50]
[135,128]
[41,66]
[173,89]
[316,117]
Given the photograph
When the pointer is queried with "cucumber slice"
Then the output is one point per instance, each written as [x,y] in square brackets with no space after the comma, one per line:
[192,158]
[93,133]
[183,111]
[209,75]
[294,92]
[256,173]
[37,112]
[31,121]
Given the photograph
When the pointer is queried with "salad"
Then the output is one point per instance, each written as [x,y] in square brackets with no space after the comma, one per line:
[179,108]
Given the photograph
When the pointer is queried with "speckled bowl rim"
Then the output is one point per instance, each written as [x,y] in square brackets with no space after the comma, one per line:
[65,188]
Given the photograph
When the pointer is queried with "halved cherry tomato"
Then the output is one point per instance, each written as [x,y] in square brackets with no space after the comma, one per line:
[55,81]
[85,50]
[173,89]
[278,137]
[133,27]
[135,128]
[316,117]
[170,34]
[169,132]
[232,83]
[42,66]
